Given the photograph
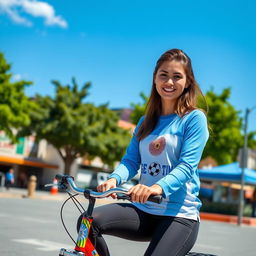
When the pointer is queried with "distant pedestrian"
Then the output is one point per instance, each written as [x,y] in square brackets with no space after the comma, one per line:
[9,179]
[254,203]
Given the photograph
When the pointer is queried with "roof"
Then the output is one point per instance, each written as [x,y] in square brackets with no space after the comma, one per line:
[126,125]
[28,162]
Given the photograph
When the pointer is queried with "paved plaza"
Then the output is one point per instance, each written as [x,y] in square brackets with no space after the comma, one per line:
[33,227]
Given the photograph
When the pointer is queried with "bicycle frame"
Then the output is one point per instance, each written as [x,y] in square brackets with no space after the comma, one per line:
[84,246]
[83,242]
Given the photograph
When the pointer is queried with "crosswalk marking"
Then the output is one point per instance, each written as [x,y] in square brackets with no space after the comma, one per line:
[44,245]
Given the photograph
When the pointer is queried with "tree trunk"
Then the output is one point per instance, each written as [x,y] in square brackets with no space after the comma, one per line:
[68,158]
[68,161]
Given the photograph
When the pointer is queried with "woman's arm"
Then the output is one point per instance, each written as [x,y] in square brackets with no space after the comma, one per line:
[195,137]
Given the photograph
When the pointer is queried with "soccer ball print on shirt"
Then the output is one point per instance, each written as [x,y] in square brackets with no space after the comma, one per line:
[154,169]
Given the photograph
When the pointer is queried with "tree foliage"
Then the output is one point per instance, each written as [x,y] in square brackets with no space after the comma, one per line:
[113,140]
[139,109]
[251,140]
[76,128]
[14,104]
[225,125]
[225,128]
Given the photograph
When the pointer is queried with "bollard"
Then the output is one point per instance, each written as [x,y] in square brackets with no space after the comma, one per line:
[31,186]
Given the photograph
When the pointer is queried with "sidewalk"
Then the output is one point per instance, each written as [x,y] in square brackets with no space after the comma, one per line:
[22,193]
[43,195]
[61,196]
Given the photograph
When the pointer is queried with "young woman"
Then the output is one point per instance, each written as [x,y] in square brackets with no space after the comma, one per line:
[166,147]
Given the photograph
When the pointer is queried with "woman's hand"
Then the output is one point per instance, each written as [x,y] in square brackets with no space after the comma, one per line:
[111,183]
[140,193]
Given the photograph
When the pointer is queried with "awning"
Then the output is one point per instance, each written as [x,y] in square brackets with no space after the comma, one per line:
[27,162]
[229,172]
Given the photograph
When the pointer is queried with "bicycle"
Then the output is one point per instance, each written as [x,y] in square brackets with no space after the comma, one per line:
[83,245]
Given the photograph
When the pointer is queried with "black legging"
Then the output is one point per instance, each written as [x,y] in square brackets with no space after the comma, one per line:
[168,236]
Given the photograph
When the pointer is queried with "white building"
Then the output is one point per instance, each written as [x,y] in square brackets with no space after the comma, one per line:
[28,157]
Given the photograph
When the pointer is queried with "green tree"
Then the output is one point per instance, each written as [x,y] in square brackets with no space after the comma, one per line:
[14,104]
[76,128]
[251,140]
[114,139]
[225,125]
[225,128]
[139,109]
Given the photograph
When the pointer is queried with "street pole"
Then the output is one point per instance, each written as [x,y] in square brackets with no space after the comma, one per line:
[243,166]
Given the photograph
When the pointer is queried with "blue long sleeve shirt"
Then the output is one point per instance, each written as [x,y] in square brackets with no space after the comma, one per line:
[169,157]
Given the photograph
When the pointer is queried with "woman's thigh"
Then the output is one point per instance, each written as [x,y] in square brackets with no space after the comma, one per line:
[122,220]
[173,237]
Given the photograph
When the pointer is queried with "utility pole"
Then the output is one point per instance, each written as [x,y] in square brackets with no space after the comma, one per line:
[243,165]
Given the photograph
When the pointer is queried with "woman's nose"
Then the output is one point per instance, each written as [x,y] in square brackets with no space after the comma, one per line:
[169,81]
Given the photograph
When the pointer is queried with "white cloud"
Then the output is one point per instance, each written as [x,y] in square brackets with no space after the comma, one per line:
[35,8]
[17,77]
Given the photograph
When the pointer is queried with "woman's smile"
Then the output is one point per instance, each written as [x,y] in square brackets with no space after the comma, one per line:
[168,89]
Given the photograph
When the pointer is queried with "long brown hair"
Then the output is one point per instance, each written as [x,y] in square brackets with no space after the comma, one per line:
[185,103]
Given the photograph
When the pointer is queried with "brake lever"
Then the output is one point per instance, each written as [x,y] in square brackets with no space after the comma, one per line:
[60,186]
[49,185]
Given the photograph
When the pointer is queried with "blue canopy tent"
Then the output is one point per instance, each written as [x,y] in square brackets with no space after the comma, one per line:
[230,173]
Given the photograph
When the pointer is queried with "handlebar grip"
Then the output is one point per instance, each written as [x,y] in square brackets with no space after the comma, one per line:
[156,199]
[59,177]
[62,177]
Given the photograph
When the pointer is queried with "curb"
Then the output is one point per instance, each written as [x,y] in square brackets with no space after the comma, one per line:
[23,193]
[227,218]
[42,197]
[57,197]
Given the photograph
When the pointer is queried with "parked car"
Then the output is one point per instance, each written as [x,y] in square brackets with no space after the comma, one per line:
[100,177]
[91,179]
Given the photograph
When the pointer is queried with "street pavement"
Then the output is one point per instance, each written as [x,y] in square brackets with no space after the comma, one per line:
[32,226]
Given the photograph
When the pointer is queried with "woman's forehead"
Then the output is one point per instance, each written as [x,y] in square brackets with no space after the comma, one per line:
[172,66]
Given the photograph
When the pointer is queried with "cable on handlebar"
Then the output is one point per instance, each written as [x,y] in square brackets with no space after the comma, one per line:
[76,203]
[61,212]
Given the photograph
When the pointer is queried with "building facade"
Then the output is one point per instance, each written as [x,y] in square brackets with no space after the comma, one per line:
[42,160]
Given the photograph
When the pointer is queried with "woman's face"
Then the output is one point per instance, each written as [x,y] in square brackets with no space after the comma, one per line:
[170,82]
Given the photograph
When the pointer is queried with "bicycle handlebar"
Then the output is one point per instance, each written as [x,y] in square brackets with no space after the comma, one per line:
[69,184]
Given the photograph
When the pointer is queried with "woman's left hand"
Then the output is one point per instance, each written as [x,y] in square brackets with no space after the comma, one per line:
[140,192]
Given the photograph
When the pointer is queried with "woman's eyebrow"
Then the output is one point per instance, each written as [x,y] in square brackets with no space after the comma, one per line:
[162,70]
[177,73]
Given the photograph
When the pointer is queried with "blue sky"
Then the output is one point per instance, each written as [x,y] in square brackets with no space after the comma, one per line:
[115,44]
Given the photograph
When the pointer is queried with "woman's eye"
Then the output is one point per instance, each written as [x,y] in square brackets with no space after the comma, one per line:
[177,77]
[163,75]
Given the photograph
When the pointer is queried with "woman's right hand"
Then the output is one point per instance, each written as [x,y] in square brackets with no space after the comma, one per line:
[111,183]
